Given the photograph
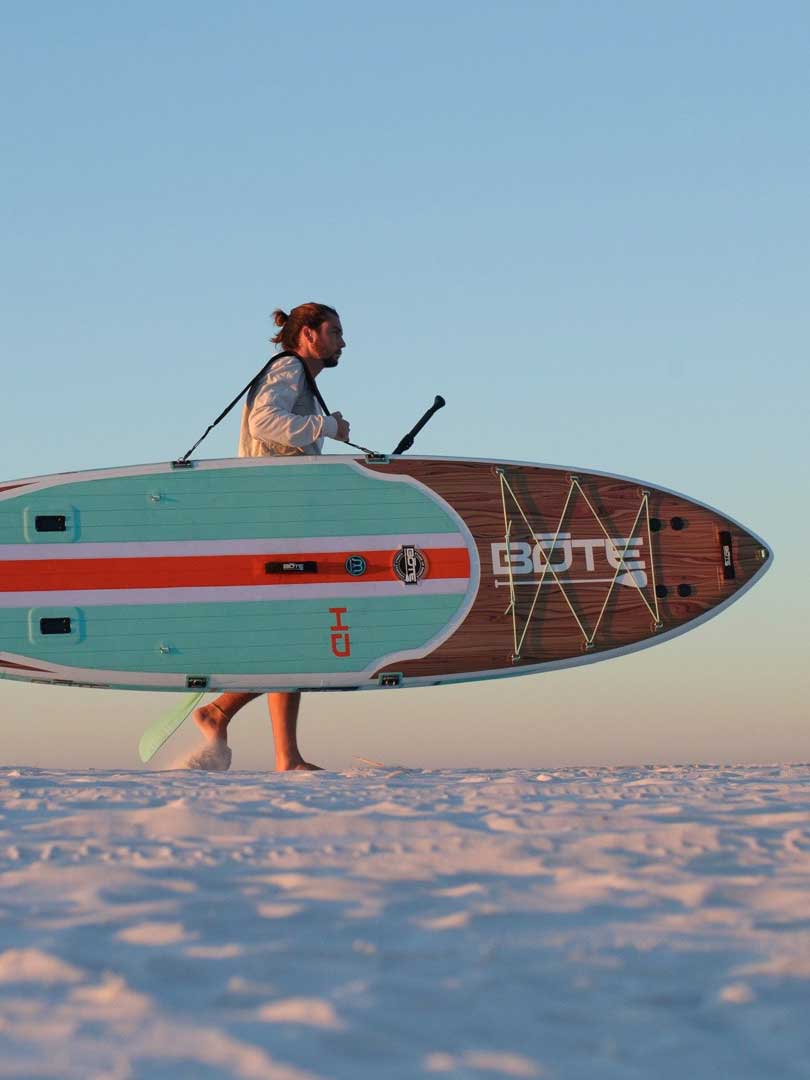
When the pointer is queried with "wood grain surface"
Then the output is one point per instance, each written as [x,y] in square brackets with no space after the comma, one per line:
[682,554]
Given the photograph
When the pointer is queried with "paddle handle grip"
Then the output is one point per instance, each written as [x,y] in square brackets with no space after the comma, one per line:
[406,442]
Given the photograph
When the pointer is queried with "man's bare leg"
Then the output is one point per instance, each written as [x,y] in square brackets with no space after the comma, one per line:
[213,719]
[284,718]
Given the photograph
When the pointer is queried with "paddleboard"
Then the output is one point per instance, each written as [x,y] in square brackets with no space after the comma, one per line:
[350,572]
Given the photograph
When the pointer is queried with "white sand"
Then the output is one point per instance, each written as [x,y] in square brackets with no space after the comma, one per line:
[580,924]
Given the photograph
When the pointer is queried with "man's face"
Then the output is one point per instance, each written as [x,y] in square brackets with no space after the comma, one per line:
[329,343]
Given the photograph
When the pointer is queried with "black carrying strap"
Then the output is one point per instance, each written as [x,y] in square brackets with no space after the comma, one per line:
[259,374]
[405,443]
[310,383]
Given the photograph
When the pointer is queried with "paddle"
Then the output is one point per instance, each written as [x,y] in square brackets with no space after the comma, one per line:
[406,442]
[165,726]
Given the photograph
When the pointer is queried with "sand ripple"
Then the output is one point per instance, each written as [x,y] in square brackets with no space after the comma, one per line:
[576,923]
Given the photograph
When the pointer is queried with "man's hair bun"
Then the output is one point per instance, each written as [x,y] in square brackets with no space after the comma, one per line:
[305,315]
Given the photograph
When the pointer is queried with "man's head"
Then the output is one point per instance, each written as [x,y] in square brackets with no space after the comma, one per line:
[313,331]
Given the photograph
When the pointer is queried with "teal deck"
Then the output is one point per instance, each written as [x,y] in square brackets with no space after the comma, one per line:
[270,502]
[264,637]
[270,636]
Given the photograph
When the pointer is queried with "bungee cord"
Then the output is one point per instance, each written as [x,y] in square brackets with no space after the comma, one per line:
[620,556]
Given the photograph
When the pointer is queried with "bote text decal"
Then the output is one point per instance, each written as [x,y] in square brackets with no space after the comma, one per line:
[620,553]
[341,643]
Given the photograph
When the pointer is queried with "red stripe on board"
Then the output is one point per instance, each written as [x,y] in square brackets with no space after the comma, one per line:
[11,487]
[210,571]
[19,667]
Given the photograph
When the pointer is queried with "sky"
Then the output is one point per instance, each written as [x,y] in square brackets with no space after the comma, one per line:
[584,224]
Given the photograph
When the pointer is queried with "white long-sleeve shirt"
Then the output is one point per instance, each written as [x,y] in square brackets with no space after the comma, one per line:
[281,415]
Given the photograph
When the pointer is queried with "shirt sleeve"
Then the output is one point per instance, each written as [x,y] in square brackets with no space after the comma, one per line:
[271,417]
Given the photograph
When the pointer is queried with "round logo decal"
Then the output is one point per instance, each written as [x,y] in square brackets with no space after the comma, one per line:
[356,565]
[410,564]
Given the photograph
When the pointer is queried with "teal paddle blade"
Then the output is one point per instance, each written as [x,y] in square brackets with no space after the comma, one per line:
[165,726]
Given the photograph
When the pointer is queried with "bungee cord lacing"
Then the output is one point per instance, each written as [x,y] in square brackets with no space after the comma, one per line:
[575,486]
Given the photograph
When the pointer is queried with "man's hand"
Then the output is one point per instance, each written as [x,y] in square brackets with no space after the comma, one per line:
[343,427]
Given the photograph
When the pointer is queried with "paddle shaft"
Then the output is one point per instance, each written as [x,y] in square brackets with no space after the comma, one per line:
[406,442]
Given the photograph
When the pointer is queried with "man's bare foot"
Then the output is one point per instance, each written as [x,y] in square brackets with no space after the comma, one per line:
[296,766]
[214,755]
[212,722]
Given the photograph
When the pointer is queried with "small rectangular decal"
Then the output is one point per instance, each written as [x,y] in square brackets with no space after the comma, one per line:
[308,566]
[729,573]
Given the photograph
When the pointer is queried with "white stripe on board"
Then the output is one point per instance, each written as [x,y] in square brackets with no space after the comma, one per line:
[186,548]
[233,594]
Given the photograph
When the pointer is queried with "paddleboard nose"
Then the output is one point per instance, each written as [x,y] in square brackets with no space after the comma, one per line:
[744,556]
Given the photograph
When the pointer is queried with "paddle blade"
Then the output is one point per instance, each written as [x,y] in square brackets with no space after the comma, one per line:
[165,726]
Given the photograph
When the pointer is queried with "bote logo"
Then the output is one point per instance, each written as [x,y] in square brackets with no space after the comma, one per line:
[620,556]
[340,640]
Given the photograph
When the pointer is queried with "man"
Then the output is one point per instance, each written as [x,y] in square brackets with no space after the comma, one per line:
[281,417]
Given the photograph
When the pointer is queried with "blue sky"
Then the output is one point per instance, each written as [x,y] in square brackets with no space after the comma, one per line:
[584,224]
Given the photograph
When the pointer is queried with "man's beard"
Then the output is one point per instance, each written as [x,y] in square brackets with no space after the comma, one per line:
[331,362]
